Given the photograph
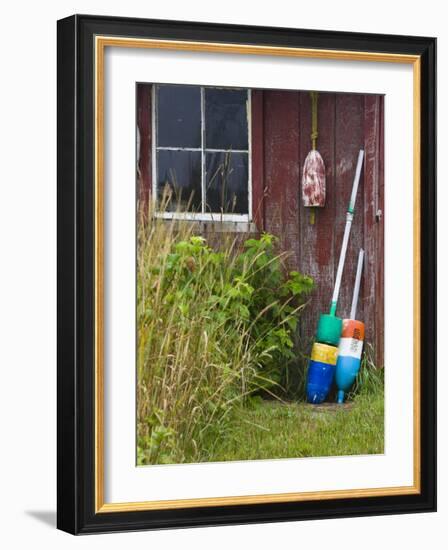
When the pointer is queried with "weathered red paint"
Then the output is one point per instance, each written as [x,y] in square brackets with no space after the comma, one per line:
[374,218]
[316,245]
[349,139]
[257,119]
[144,157]
[370,228]
[382,212]
[282,170]
[347,123]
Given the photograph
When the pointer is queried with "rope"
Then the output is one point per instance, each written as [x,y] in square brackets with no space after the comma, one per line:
[314,132]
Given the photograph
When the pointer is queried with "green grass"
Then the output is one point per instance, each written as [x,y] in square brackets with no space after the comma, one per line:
[293,430]
[271,429]
[274,429]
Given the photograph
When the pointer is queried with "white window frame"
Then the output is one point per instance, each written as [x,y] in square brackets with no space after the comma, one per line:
[201,216]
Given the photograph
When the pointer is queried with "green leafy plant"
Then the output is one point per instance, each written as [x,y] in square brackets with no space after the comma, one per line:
[274,303]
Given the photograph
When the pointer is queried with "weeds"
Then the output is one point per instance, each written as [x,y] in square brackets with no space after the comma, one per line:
[370,378]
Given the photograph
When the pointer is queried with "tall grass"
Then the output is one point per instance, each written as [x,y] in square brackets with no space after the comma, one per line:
[198,355]
[370,378]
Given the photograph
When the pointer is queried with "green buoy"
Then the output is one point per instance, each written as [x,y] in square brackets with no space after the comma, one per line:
[329,329]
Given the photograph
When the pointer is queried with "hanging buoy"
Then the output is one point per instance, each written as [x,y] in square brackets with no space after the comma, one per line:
[351,342]
[313,176]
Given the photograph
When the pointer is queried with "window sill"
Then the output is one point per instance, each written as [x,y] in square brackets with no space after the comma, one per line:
[211,226]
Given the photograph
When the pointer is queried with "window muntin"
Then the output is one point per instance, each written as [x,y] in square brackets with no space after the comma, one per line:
[201,152]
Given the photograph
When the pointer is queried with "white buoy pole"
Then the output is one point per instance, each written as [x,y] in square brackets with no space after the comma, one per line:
[357,284]
[348,225]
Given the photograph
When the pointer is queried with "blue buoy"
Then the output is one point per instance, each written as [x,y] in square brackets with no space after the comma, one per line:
[320,378]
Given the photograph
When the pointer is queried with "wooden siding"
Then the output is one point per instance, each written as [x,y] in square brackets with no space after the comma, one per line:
[144,142]
[347,123]
[281,128]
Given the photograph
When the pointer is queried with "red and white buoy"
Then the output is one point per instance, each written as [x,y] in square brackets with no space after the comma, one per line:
[313,176]
[351,342]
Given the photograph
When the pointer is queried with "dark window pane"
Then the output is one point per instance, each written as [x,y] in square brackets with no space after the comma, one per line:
[179,180]
[227,183]
[226,119]
[178,116]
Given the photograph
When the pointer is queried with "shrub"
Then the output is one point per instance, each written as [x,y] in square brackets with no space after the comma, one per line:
[274,303]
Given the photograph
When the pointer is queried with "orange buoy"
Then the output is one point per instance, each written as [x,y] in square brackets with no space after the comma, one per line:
[352,329]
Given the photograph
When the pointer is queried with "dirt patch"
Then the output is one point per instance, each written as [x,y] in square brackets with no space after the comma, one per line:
[329,407]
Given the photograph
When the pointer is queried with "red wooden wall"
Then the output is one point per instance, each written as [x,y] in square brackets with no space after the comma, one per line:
[347,123]
[281,127]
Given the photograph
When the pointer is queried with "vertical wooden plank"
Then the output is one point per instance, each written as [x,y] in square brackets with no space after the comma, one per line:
[317,240]
[257,120]
[380,245]
[381,213]
[373,228]
[281,171]
[349,136]
[144,157]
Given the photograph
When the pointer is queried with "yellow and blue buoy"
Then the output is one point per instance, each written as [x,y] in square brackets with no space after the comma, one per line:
[321,370]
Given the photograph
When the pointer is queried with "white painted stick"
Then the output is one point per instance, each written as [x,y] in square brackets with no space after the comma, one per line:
[348,225]
[357,284]
[337,286]
[351,206]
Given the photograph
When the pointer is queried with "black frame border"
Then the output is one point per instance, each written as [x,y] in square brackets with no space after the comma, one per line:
[75,272]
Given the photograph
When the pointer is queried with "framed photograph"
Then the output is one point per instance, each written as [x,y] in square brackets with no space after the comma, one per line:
[246,274]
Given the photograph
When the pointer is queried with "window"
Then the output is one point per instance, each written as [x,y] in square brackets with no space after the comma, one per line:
[201,152]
